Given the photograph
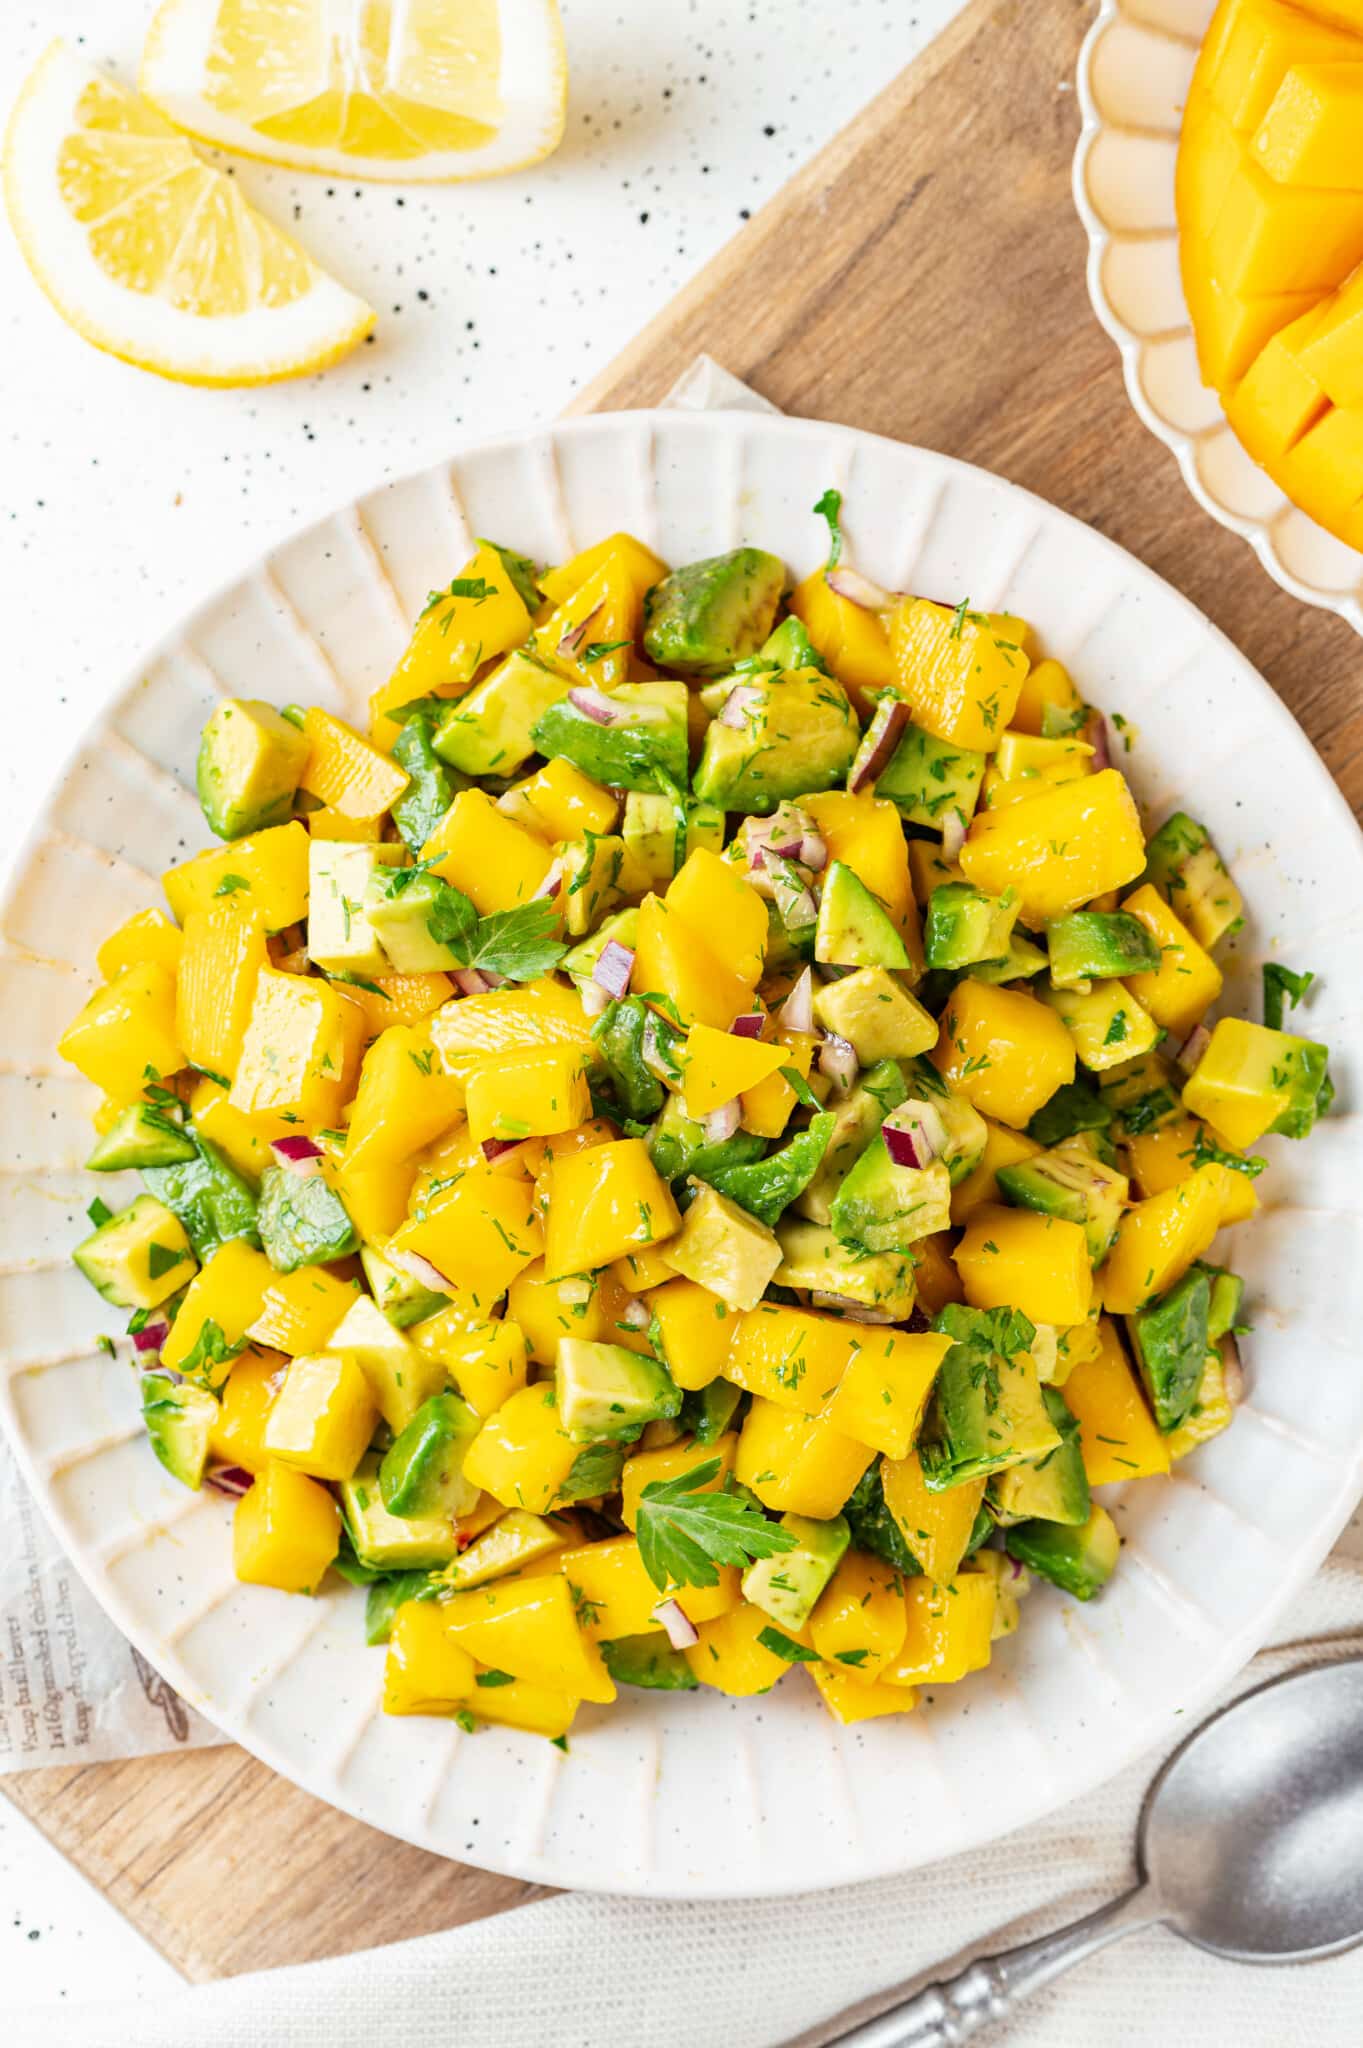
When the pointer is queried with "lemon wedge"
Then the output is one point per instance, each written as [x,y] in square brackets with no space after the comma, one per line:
[151,255]
[428,90]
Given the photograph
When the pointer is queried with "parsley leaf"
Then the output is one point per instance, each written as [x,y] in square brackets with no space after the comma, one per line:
[1206,1152]
[829,507]
[229,885]
[519,943]
[211,1348]
[1280,982]
[782,1646]
[684,1534]
[99,1212]
[597,650]
[493,1678]
[161,1259]
[475,587]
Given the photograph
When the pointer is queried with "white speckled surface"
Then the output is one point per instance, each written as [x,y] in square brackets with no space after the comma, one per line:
[122,499]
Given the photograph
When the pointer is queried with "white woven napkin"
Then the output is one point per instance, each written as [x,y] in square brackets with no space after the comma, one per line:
[586,1971]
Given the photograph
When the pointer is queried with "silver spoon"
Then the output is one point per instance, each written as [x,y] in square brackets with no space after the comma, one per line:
[1250,1845]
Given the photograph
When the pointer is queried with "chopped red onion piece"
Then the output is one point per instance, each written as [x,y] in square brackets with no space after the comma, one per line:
[233,1480]
[852,1311]
[953,835]
[492,980]
[571,641]
[858,589]
[681,1633]
[736,706]
[838,1060]
[1193,1047]
[470,981]
[549,886]
[654,1055]
[637,1315]
[797,1011]
[1232,1371]
[296,1148]
[747,1026]
[914,1134]
[593,997]
[789,851]
[918,1323]
[151,1336]
[493,1148]
[813,853]
[298,1156]
[420,1269]
[878,747]
[596,705]
[721,1123]
[614,966]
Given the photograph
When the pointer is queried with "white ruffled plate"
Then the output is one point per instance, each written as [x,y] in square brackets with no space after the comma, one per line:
[692,1795]
[1134,71]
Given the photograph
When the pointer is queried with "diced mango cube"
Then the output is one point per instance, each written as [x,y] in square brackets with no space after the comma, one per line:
[268,869]
[515,1095]
[299,1310]
[323,1417]
[148,935]
[860,1621]
[959,674]
[1117,1432]
[935,1526]
[1071,842]
[528,1627]
[227,1294]
[301,1051]
[1157,1240]
[522,1454]
[1004,1051]
[695,1329]
[345,772]
[493,860]
[882,1394]
[730,1658]
[603,1203]
[426,1670]
[238,1434]
[949,1632]
[798,1464]
[713,896]
[285,1532]
[125,1036]
[671,958]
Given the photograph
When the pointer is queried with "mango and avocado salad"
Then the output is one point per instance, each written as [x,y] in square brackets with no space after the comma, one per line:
[692,1148]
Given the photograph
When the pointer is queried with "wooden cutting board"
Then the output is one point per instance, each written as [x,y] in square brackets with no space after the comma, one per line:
[923,277]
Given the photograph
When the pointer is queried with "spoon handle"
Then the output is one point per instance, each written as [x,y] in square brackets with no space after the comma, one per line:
[943,2015]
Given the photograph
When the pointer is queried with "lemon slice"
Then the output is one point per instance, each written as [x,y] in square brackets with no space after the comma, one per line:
[427,90]
[151,255]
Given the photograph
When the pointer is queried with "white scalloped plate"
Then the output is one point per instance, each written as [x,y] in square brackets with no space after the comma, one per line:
[1134,70]
[695,1795]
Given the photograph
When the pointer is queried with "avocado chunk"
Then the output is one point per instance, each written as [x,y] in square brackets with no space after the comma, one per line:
[1186,869]
[767,1187]
[1277,1072]
[208,1195]
[580,960]
[776,736]
[1169,1337]
[341,938]
[987,1411]
[788,1586]
[790,646]
[875,1014]
[398,905]
[1019,963]
[491,731]
[1053,1488]
[965,927]
[605,1391]
[854,928]
[927,779]
[1093,945]
[882,1206]
[140,1136]
[648,1661]
[251,761]
[387,1542]
[1069,1182]
[1141,1094]
[708,1412]
[179,1421]
[707,615]
[660,835]
[678,1147]
[421,1474]
[856,1119]
[813,1256]
[403,1298]
[302,1221]
[645,740]
[723,1248]
[1223,1310]
[137,1258]
[1078,1560]
[431,787]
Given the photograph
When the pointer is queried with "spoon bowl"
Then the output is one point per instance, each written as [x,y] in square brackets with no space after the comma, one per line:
[1251,1836]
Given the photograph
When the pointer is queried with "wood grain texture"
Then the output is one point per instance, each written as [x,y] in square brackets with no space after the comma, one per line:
[923,277]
